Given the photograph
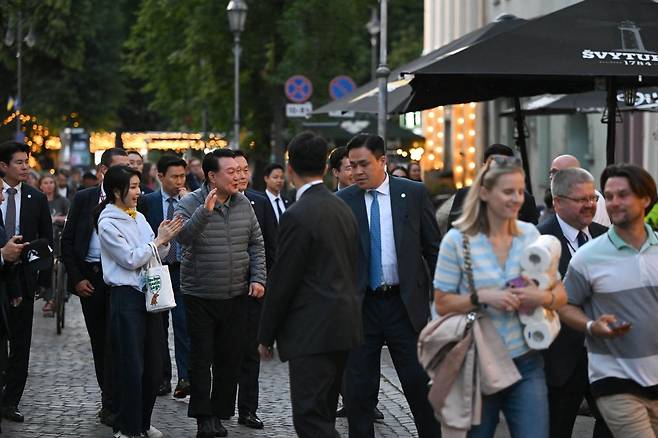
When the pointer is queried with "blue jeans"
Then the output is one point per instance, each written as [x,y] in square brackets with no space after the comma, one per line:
[524,404]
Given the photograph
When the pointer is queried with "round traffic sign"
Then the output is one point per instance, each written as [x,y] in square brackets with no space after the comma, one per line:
[298,89]
[341,86]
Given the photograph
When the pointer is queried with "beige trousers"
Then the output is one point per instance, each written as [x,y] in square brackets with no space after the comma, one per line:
[630,416]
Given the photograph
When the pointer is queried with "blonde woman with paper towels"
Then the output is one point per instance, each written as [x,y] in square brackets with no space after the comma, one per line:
[496,241]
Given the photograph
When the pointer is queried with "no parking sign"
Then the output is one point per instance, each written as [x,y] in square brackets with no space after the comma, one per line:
[298,89]
[341,86]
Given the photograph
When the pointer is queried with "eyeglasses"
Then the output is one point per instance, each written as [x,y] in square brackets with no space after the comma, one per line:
[582,201]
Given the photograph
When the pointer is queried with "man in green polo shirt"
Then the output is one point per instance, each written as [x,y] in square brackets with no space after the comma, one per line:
[612,285]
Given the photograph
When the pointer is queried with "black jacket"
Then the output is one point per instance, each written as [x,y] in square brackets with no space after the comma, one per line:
[562,357]
[311,304]
[417,241]
[267,221]
[77,234]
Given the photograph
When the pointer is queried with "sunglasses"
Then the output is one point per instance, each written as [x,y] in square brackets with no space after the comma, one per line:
[504,161]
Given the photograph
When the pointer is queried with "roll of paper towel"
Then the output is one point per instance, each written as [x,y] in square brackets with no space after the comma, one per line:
[543,255]
[542,280]
[540,335]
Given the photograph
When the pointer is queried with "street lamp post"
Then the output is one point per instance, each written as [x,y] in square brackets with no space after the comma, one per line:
[373,30]
[30,39]
[237,15]
[383,71]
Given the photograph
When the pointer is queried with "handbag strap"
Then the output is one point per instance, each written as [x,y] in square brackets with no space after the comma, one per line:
[155,252]
[468,265]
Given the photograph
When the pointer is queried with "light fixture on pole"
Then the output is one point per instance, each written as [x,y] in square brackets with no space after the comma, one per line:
[237,15]
[383,71]
[373,29]
[15,34]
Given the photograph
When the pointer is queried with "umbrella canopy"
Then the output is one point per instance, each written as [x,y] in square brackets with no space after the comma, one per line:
[341,131]
[364,98]
[563,52]
[594,44]
[584,103]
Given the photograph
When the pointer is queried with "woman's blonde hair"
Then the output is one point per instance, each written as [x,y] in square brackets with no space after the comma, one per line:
[473,218]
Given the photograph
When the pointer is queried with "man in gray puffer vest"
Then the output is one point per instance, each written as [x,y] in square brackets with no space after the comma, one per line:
[223,261]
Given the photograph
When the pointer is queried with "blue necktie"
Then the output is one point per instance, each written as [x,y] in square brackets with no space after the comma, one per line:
[581,238]
[375,267]
[172,256]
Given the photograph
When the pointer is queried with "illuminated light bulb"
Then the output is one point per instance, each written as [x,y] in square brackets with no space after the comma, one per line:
[471,116]
[399,152]
[404,153]
[472,104]
[471,165]
[460,120]
[440,120]
[459,185]
[459,169]
[430,114]
[460,136]
[430,143]
[431,157]
[471,150]
[469,181]
[471,132]
[430,128]
[438,150]
[441,108]
[440,134]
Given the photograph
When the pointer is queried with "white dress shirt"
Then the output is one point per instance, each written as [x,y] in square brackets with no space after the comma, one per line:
[17,203]
[63,191]
[305,187]
[571,234]
[389,256]
[272,197]
[601,216]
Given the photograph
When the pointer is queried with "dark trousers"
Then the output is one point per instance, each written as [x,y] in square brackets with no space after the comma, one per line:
[20,340]
[564,402]
[96,311]
[181,339]
[3,359]
[385,319]
[314,384]
[137,337]
[250,364]
[216,329]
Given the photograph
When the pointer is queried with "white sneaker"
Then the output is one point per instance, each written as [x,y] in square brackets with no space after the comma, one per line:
[122,435]
[153,433]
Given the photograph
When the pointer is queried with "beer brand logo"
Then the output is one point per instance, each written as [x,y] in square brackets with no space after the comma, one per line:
[632,52]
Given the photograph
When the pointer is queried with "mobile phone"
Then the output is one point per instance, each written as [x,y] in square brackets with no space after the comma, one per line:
[619,325]
[517,282]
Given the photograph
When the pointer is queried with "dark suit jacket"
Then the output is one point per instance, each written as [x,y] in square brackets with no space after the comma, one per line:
[267,221]
[562,357]
[417,240]
[311,304]
[528,212]
[150,205]
[35,223]
[77,234]
[7,286]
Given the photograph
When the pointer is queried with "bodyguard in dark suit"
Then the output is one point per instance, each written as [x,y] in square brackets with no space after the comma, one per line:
[250,368]
[398,246]
[566,360]
[26,213]
[82,258]
[156,207]
[311,306]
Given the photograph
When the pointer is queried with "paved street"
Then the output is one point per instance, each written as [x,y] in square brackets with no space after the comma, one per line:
[61,399]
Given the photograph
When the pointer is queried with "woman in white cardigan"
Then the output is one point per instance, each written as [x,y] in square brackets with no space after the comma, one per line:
[126,241]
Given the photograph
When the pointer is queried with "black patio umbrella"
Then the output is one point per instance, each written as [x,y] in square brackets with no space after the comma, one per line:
[584,103]
[340,132]
[364,98]
[592,45]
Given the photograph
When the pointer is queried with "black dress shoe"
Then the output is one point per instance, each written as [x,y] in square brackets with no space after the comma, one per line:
[205,427]
[218,428]
[378,414]
[182,389]
[341,413]
[164,388]
[250,419]
[106,417]
[13,414]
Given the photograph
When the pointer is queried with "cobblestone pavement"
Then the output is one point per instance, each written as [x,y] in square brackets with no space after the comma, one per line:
[61,398]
